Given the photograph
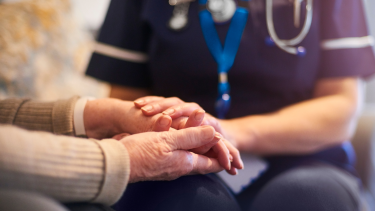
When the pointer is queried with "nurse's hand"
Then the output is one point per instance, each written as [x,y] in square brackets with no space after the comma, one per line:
[178,110]
[105,118]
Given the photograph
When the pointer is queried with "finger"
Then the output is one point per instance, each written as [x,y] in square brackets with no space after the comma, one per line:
[140,102]
[163,123]
[205,165]
[179,123]
[232,171]
[160,106]
[212,121]
[205,148]
[222,153]
[188,138]
[237,161]
[195,119]
[182,109]
[118,137]
[184,163]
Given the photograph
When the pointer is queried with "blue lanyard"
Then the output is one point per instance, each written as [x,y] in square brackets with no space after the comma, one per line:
[224,57]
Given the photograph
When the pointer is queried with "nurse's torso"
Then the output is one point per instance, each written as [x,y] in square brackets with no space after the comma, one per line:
[263,78]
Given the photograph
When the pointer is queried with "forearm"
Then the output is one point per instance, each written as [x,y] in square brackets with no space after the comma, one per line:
[65,168]
[298,129]
[54,117]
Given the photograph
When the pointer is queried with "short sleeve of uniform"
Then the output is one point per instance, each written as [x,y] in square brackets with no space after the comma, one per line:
[120,53]
[345,43]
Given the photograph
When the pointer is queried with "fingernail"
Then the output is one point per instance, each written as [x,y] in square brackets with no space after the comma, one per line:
[147,108]
[205,126]
[169,112]
[230,158]
[236,171]
[229,165]
[164,121]
[219,135]
[139,101]
[199,115]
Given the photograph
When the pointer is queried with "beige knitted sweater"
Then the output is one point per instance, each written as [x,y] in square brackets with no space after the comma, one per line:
[66,168]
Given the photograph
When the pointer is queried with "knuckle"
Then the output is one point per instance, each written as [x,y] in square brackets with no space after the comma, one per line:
[180,167]
[195,104]
[236,152]
[176,99]
[164,138]
[156,106]
[187,163]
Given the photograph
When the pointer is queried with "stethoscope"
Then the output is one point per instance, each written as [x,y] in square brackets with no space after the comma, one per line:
[220,11]
[223,10]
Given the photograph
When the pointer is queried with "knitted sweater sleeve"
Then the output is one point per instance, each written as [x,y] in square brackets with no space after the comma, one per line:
[66,168]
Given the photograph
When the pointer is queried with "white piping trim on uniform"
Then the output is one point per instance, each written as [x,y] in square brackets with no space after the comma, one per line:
[118,53]
[349,42]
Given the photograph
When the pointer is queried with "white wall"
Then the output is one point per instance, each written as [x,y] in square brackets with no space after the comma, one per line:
[90,13]
[370,12]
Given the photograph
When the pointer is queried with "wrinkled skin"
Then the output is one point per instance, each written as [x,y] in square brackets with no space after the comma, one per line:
[164,155]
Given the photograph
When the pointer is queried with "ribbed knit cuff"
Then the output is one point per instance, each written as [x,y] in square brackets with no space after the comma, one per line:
[62,116]
[117,171]
[54,117]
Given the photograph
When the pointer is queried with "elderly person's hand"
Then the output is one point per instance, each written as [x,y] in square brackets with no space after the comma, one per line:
[105,118]
[164,155]
[186,115]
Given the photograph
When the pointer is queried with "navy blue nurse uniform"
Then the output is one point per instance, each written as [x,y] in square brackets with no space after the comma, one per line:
[136,48]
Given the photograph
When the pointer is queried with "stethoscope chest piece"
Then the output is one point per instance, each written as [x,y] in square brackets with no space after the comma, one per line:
[221,10]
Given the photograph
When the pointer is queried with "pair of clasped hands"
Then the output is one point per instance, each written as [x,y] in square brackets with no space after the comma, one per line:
[165,137]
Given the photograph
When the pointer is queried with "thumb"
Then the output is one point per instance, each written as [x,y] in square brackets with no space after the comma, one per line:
[191,138]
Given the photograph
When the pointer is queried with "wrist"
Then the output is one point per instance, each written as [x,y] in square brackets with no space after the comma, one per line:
[104,118]
[239,133]
[228,132]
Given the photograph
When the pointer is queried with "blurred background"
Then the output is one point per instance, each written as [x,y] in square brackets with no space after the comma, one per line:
[45,46]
